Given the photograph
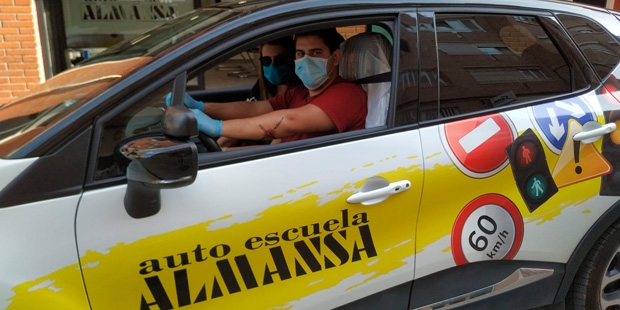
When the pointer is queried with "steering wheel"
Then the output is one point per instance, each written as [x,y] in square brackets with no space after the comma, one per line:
[209,142]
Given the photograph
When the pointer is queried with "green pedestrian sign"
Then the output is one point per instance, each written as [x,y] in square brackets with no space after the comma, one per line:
[536,186]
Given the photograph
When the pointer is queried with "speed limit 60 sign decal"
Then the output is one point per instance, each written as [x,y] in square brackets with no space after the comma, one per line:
[490,227]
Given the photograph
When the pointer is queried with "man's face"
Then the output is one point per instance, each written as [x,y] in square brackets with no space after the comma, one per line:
[314,46]
[311,46]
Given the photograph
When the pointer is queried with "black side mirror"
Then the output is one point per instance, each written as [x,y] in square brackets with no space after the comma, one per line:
[180,123]
[156,163]
[161,162]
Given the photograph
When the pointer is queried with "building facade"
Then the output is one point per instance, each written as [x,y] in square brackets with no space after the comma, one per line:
[41,38]
[21,59]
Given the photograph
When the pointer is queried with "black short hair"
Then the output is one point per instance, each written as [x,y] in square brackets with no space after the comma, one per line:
[330,37]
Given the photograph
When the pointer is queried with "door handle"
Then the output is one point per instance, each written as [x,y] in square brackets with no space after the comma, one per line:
[593,130]
[376,195]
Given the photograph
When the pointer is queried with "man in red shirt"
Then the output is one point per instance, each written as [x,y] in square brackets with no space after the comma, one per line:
[325,104]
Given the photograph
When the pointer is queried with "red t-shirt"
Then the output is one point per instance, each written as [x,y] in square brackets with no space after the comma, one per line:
[344,103]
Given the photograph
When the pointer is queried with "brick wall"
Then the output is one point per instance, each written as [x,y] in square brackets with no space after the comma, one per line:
[20,59]
[517,38]
[350,31]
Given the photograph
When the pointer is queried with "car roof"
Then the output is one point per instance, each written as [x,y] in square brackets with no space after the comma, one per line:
[258,5]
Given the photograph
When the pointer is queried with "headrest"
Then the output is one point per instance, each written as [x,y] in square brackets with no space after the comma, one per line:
[364,55]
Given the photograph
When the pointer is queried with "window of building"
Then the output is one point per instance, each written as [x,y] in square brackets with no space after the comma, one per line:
[92,26]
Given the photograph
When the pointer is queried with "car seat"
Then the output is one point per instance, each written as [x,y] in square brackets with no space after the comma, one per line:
[366,60]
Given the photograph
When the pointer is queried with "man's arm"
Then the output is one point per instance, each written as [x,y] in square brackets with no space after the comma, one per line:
[235,110]
[230,110]
[279,124]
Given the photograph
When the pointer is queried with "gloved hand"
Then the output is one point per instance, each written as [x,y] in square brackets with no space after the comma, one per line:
[212,127]
[188,101]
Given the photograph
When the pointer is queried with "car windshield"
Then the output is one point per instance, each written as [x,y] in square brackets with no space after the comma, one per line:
[165,36]
[50,102]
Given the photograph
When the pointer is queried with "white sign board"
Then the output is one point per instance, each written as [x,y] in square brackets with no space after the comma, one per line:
[87,17]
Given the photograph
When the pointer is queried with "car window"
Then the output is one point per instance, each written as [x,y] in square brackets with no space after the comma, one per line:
[49,103]
[237,73]
[486,61]
[223,81]
[231,79]
[142,118]
[494,60]
[237,78]
[165,36]
[599,46]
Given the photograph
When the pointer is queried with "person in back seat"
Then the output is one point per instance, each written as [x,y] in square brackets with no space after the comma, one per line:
[325,104]
[276,70]
[276,75]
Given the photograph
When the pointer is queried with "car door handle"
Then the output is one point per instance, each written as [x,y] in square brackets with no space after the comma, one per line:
[589,135]
[379,194]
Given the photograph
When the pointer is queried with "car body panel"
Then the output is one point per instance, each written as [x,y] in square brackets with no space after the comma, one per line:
[41,239]
[371,246]
[275,230]
[547,231]
[10,169]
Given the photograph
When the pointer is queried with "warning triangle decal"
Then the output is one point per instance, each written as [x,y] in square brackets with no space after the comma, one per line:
[573,167]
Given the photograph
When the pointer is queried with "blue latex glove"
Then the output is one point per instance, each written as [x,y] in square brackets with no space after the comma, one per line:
[188,101]
[212,127]
[168,99]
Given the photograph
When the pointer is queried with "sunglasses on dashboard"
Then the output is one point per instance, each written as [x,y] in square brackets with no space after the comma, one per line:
[276,60]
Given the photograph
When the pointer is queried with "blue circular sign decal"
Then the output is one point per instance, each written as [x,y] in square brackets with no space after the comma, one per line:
[551,119]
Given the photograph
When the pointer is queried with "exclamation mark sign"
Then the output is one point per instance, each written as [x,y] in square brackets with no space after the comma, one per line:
[576,146]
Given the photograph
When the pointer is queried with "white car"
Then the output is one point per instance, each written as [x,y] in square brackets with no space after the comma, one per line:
[489,181]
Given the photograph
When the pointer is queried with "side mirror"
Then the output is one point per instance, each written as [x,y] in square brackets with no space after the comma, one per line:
[156,163]
[179,123]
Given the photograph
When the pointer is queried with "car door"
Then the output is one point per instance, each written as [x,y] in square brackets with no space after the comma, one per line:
[505,94]
[276,226]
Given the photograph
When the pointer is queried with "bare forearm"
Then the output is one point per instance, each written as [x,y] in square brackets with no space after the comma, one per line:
[267,126]
[236,110]
[279,124]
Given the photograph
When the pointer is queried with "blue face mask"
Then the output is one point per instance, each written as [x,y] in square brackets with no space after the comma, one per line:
[277,74]
[312,71]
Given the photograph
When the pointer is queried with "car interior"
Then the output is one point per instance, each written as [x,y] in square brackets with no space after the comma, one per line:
[367,58]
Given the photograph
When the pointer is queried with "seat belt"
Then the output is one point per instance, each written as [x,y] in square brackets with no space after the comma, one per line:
[378,78]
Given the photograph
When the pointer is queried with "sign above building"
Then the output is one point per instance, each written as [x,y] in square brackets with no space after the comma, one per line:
[120,17]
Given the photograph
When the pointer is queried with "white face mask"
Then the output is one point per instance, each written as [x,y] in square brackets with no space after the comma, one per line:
[312,71]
